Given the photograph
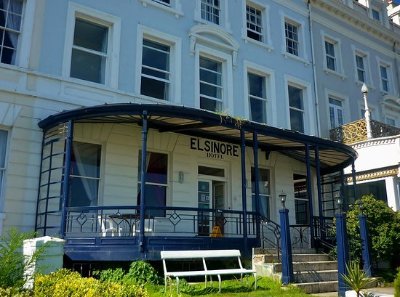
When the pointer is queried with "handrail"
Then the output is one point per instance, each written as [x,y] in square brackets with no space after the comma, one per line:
[267,227]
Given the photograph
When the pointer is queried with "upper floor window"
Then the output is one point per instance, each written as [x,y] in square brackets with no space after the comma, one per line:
[360,66]
[254,23]
[376,15]
[335,112]
[85,174]
[89,51]
[164,2]
[257,98]
[330,55]
[292,38]
[211,87]
[384,74]
[211,11]
[155,80]
[10,29]
[3,150]
[296,108]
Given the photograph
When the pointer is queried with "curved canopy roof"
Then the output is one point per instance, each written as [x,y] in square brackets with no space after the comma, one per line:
[333,156]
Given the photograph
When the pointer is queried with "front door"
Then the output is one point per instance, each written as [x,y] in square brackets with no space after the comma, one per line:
[211,198]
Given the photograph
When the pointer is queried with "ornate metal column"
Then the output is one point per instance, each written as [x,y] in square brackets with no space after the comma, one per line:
[143,181]
[67,170]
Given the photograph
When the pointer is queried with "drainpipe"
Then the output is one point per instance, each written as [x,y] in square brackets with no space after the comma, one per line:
[396,64]
[315,85]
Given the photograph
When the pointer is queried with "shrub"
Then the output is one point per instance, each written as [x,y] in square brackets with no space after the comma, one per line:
[110,275]
[356,278]
[15,292]
[397,284]
[65,283]
[383,229]
[12,261]
[141,272]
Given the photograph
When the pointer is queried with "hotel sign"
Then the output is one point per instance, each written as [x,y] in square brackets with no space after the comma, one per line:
[214,149]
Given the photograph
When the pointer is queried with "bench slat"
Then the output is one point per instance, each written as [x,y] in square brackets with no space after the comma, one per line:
[199,254]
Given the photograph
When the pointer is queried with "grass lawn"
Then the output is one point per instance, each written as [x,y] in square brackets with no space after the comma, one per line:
[265,287]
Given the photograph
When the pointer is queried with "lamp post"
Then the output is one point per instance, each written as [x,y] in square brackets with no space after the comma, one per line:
[364,90]
[286,244]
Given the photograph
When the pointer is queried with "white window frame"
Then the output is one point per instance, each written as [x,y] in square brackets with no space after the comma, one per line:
[270,91]
[174,7]
[302,53]
[265,24]
[367,69]
[227,75]
[309,112]
[338,54]
[175,45]
[223,17]
[114,31]
[345,105]
[389,67]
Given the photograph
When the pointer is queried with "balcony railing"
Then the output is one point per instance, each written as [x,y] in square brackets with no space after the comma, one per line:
[357,131]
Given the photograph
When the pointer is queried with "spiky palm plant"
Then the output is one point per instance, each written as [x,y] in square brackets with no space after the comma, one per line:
[356,278]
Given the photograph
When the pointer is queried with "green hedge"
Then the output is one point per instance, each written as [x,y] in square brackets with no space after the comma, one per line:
[65,283]
[397,284]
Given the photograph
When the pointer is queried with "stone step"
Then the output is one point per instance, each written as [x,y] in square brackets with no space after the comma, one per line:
[296,258]
[315,276]
[318,287]
[309,266]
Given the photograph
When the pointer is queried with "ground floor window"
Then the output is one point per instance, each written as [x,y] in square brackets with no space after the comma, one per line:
[156,182]
[375,188]
[85,174]
[301,199]
[264,191]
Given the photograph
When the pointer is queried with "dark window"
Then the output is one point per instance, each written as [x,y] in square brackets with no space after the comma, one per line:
[156,182]
[254,23]
[296,108]
[210,11]
[155,79]
[10,29]
[89,51]
[301,199]
[257,98]
[210,84]
[292,38]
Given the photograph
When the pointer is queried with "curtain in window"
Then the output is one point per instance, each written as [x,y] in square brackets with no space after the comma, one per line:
[85,174]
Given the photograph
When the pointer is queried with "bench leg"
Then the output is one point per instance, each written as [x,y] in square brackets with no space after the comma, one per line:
[219,283]
[165,283]
[177,285]
[255,281]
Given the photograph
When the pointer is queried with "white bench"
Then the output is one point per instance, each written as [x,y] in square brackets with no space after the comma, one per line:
[202,255]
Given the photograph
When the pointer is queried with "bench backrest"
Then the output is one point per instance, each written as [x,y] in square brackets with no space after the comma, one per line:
[198,254]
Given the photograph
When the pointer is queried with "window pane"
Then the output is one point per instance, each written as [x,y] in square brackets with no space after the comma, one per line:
[87,66]
[90,36]
[85,174]
[157,167]
[154,88]
[254,23]
[301,199]
[210,104]
[296,120]
[210,11]
[258,110]
[205,170]
[155,55]
[295,97]
[256,85]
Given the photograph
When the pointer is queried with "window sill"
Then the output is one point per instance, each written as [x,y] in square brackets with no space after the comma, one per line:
[297,58]
[360,83]
[173,10]
[267,46]
[218,26]
[338,74]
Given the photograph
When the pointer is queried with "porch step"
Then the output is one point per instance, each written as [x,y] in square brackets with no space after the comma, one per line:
[318,287]
[313,273]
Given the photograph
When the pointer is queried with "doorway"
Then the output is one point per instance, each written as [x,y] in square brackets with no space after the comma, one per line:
[211,197]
